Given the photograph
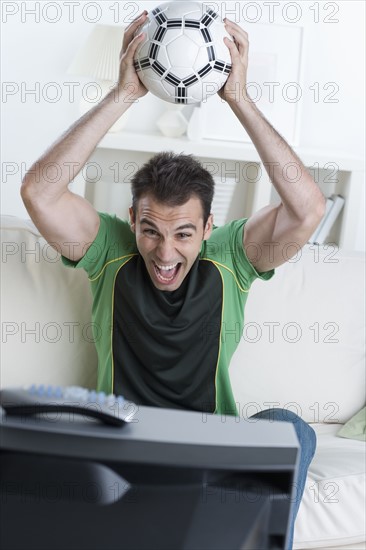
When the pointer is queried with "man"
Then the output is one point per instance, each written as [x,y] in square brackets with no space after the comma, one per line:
[165,286]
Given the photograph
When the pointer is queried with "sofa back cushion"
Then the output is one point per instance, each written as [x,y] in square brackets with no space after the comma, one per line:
[45,313]
[302,347]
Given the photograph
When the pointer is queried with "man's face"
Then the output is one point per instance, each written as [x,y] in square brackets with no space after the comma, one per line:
[169,238]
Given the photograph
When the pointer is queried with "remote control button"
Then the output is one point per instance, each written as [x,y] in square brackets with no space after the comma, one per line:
[76,393]
[32,389]
[92,396]
[41,390]
[120,404]
[110,399]
[58,392]
[101,397]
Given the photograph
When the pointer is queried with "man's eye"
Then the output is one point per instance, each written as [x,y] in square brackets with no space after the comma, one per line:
[184,235]
[150,232]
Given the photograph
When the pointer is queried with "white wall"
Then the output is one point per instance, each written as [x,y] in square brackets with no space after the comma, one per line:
[38,47]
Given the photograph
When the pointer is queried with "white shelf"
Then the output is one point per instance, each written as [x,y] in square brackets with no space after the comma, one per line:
[155,143]
[228,150]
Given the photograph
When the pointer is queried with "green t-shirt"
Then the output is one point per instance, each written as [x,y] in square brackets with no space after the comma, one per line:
[168,349]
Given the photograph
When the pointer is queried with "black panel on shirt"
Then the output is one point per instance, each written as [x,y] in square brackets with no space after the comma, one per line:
[166,344]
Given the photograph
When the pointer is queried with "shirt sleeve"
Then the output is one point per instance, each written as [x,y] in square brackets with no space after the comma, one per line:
[226,245]
[114,239]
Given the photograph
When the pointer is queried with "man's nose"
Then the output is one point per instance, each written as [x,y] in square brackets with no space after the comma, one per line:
[166,251]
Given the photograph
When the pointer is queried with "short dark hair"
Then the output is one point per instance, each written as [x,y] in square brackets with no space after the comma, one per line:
[173,179]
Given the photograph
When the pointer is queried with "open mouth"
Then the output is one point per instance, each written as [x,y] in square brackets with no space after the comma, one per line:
[167,274]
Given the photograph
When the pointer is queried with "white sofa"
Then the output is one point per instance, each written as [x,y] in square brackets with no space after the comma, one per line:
[302,349]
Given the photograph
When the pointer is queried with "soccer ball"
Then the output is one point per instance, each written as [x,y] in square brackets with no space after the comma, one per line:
[183,58]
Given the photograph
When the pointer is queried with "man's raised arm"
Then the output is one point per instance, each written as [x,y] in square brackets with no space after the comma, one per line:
[302,205]
[66,220]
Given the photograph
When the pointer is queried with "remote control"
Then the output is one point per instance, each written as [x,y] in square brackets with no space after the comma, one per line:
[110,409]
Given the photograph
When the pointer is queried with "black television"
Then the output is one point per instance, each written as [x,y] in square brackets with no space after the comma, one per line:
[167,480]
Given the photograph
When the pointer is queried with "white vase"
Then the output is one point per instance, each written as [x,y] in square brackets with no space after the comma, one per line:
[172,122]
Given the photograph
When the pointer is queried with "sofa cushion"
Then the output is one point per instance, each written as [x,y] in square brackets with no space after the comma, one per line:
[355,428]
[45,313]
[302,347]
[333,508]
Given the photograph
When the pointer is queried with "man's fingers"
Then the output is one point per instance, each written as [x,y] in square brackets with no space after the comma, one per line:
[132,28]
[229,24]
[134,44]
[239,36]
[233,49]
[136,22]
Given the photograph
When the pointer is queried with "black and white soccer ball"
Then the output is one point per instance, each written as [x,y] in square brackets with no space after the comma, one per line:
[183,58]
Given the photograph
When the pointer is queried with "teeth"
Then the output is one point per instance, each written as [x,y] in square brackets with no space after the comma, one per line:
[166,267]
[166,279]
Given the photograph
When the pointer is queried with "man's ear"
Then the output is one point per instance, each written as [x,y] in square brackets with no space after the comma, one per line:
[208,228]
[132,219]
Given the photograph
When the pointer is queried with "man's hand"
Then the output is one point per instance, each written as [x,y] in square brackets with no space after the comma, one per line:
[128,80]
[234,89]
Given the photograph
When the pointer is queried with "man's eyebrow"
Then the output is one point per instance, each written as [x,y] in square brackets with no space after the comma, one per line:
[187,226]
[145,220]
[180,228]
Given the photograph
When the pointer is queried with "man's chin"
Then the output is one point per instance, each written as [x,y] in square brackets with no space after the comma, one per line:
[167,287]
